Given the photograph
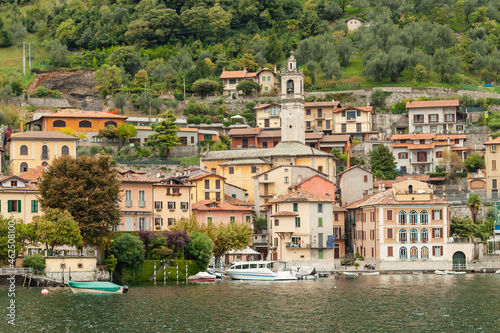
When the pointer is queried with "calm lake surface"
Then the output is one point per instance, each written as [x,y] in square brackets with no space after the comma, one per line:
[387,303]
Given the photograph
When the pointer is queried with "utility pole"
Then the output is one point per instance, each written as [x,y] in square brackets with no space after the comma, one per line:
[184,91]
[29,54]
[24,59]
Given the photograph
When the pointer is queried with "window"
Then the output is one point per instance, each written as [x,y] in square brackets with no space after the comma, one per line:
[192,139]
[276,241]
[320,124]
[320,113]
[351,115]
[327,125]
[308,125]
[413,253]
[493,183]
[95,139]
[433,118]
[365,178]
[358,127]
[295,207]
[320,253]
[182,140]
[14,206]
[493,149]
[59,123]
[232,219]
[320,221]
[128,198]
[24,150]
[403,155]
[424,235]
[34,206]
[439,154]
[413,235]
[85,124]
[336,217]
[403,254]
[389,214]
[207,137]
[437,251]
[418,118]
[217,196]
[296,241]
[264,144]
[175,190]
[286,180]
[217,184]
[413,217]
[297,222]
[65,150]
[266,177]
[232,81]
[493,164]
[254,169]
[343,128]
[343,113]
[449,118]
[24,167]
[390,251]
[142,198]
[320,208]
[171,205]
[434,128]
[320,168]
[158,221]
[402,217]
[402,235]
[337,232]
[207,184]
[114,139]
[170,221]
[184,205]
[358,113]
[209,220]
[142,224]
[389,233]
[231,170]
[424,217]
[158,204]
[410,190]
[248,219]
[437,232]
[418,128]
[424,254]
[308,112]
[112,123]
[437,214]
[276,222]
[45,152]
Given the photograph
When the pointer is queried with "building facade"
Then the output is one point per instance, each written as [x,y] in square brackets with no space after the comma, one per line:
[172,202]
[435,116]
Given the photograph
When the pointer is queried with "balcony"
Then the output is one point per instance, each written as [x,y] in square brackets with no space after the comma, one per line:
[128,203]
[142,204]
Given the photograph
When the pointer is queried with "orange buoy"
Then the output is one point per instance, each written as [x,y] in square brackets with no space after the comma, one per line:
[45,291]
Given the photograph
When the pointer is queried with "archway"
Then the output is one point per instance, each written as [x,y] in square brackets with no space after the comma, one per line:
[459,260]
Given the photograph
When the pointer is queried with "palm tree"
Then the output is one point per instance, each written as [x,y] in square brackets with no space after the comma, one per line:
[474,203]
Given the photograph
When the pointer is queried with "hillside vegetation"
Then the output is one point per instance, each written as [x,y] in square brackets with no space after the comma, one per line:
[162,44]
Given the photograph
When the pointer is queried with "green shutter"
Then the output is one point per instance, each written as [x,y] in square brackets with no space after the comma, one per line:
[320,222]
[9,209]
[34,206]
[18,206]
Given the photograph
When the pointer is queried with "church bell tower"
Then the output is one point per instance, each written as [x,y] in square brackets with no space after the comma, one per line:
[292,103]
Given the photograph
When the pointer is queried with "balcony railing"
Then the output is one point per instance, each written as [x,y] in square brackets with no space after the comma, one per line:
[142,203]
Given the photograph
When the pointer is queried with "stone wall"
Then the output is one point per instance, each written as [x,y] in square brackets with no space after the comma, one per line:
[462,211]
[184,151]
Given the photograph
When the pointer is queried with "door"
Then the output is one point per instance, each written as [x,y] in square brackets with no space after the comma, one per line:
[336,251]
[245,143]
[266,122]
[320,240]
[266,188]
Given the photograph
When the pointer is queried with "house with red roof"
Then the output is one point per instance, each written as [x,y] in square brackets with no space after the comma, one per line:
[440,116]
[213,212]
[265,77]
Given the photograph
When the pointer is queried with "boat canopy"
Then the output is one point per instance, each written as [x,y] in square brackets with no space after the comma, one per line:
[97,285]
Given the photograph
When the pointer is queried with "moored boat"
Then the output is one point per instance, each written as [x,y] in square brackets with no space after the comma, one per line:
[455,273]
[497,272]
[260,271]
[440,273]
[202,277]
[97,287]
[417,273]
[350,274]
[306,273]
[371,274]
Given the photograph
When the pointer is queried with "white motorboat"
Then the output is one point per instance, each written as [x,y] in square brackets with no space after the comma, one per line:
[96,287]
[260,271]
[455,273]
[202,277]
[306,273]
[350,274]
[440,273]
[371,274]
[497,272]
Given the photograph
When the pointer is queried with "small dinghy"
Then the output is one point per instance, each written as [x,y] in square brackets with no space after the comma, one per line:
[440,273]
[497,272]
[202,277]
[97,287]
[371,274]
[306,273]
[455,273]
[417,273]
[350,274]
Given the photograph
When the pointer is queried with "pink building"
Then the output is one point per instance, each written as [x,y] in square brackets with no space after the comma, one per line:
[211,211]
[318,185]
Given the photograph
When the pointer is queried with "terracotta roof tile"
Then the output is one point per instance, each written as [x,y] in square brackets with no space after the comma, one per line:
[236,74]
[432,104]
[269,134]
[413,136]
[336,138]
[321,104]
[301,195]
[220,206]
[243,131]
[48,135]
[492,142]
[236,202]
[284,213]
[83,114]
[34,174]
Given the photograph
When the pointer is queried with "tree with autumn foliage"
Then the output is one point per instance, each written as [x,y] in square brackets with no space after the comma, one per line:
[88,189]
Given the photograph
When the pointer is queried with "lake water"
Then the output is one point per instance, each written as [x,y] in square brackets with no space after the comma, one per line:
[386,303]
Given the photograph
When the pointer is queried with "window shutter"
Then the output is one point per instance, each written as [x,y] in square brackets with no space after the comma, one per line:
[414,118]
[389,251]
[389,233]
[389,215]
[146,227]
[429,118]
[18,206]
[9,207]
[433,233]
[433,251]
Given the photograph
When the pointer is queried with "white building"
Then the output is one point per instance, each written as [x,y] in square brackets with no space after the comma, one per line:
[435,116]
[292,103]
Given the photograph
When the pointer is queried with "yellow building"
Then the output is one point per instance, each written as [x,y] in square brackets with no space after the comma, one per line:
[171,202]
[208,186]
[319,116]
[491,160]
[353,120]
[239,166]
[34,148]
[18,199]
[268,115]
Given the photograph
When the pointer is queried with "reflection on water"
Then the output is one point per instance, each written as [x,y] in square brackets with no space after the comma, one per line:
[387,303]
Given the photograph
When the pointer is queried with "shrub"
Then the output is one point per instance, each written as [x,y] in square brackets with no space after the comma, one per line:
[35,261]
[209,122]
[94,150]
[197,120]
[109,150]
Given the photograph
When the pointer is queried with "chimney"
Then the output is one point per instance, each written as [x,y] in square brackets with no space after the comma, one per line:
[333,101]
[490,137]
[380,187]
[448,141]
[224,69]
[274,68]
[244,69]
[368,104]
[383,188]
[22,125]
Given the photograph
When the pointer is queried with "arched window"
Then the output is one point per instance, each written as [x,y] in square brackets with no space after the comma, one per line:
[413,253]
[413,217]
[413,235]
[403,253]
[85,124]
[65,150]
[24,167]
[424,217]
[290,87]
[24,150]
[59,123]
[45,152]
[410,189]
[106,124]
[402,217]
[45,164]
[425,253]
[402,235]
[424,235]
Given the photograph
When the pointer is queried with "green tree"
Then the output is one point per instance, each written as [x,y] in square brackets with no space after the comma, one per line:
[377,98]
[108,132]
[474,204]
[248,87]
[111,263]
[204,87]
[88,189]
[141,78]
[56,228]
[126,57]
[23,233]
[67,31]
[463,227]
[383,162]
[473,162]
[18,32]
[58,53]
[248,62]
[127,131]
[6,38]
[165,137]
[35,261]
[108,78]
[129,252]
[219,19]
[6,93]
[444,63]
[451,161]
[233,236]
[120,100]
[420,73]
[200,249]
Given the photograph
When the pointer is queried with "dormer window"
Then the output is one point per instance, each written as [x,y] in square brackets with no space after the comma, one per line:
[213,206]
[13,183]
[410,189]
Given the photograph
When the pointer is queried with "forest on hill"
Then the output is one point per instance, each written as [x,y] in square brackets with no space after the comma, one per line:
[452,43]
